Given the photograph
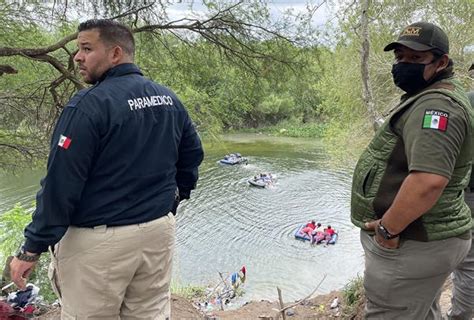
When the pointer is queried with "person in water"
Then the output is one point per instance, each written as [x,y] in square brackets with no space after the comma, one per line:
[308,229]
[328,232]
[317,234]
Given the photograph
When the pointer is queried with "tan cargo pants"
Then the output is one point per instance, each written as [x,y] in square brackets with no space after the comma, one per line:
[115,272]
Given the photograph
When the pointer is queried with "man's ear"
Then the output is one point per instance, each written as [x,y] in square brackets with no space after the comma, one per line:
[442,62]
[117,55]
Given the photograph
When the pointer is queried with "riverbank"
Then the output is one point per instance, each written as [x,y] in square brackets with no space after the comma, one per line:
[289,129]
[318,308]
[185,309]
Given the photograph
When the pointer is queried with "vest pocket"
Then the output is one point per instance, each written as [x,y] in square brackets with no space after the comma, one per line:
[365,176]
[361,210]
[369,179]
[365,184]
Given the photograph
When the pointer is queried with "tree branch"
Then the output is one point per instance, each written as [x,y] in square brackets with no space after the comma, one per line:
[60,67]
[7,69]
[304,299]
[133,11]
[31,52]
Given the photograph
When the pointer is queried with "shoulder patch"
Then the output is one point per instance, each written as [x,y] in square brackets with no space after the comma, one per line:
[436,120]
[64,142]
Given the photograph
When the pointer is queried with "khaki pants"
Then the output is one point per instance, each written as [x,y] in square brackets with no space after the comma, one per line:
[405,283]
[115,272]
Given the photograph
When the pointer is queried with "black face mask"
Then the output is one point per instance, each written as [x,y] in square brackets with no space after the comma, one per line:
[409,76]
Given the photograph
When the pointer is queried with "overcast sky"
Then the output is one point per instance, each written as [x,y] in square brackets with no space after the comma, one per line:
[277,7]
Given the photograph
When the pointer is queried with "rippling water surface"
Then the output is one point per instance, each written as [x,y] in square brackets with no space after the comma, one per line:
[228,223]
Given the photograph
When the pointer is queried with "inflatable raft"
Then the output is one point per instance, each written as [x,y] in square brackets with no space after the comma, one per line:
[233,158]
[320,238]
[300,235]
[262,180]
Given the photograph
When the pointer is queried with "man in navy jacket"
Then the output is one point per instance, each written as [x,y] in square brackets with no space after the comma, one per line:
[123,153]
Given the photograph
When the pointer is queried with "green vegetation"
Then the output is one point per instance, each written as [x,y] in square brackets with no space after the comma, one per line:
[353,295]
[235,69]
[12,224]
[189,292]
[291,129]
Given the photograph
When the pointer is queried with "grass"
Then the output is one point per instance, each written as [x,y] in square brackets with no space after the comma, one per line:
[197,293]
[188,292]
[353,294]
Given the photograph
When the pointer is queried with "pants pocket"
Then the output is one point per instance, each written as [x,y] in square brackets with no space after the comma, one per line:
[53,274]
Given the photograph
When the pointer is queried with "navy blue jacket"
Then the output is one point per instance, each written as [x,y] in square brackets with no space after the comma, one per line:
[118,152]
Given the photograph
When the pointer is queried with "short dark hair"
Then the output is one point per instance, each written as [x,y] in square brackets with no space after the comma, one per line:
[111,32]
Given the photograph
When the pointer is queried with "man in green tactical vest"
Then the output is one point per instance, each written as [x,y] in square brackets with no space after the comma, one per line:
[408,186]
[462,301]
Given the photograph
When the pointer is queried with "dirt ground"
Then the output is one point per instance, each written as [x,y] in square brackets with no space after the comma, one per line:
[317,308]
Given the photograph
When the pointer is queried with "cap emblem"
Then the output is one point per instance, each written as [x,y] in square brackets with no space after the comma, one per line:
[411,31]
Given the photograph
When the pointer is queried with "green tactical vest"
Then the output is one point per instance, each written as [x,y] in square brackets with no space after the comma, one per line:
[450,216]
[470,95]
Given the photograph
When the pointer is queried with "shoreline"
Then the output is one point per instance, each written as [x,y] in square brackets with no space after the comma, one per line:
[318,307]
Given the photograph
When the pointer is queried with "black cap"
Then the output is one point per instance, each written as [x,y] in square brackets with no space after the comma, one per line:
[422,36]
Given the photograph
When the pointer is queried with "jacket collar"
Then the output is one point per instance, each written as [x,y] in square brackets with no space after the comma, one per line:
[120,70]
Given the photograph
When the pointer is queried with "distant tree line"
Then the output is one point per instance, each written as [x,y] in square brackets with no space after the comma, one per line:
[233,66]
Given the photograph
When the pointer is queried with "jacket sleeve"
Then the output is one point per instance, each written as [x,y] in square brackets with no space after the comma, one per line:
[190,156]
[73,146]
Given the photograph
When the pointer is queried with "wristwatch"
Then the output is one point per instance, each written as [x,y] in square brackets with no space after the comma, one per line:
[385,233]
[23,256]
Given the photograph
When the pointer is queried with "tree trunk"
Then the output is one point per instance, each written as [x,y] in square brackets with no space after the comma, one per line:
[365,52]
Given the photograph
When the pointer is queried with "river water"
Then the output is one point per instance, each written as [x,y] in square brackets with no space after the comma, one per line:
[227,223]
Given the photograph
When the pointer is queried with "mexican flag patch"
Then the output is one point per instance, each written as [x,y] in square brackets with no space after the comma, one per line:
[434,119]
[64,142]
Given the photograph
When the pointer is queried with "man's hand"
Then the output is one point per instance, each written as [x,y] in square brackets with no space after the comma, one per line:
[20,271]
[389,244]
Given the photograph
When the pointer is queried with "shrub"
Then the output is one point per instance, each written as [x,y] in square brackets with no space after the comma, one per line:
[12,224]
[353,295]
